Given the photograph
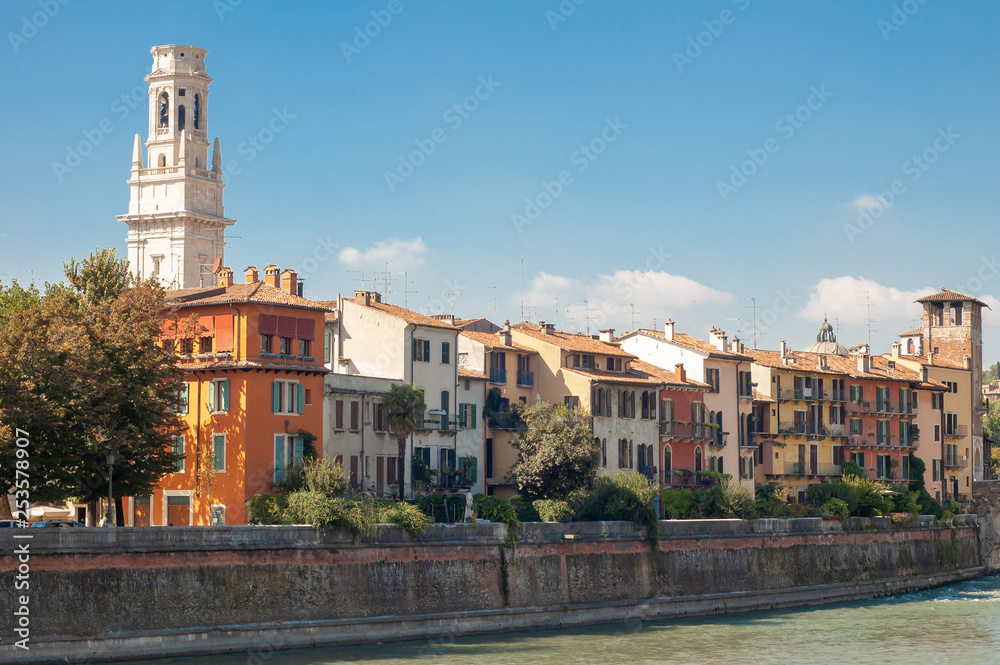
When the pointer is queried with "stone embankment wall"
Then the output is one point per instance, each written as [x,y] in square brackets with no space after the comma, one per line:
[104,594]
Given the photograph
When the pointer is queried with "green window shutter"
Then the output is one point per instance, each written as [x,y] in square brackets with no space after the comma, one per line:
[300,401]
[279,457]
[414,348]
[326,346]
[299,445]
[427,350]
[211,397]
[275,397]
[473,416]
[219,452]
[474,475]
[185,393]
[225,395]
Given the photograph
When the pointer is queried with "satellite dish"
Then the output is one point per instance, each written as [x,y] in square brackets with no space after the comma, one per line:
[168,279]
[217,265]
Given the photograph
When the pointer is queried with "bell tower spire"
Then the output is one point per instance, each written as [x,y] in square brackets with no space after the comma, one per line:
[176,220]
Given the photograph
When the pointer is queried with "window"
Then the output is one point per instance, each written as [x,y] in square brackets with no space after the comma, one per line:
[446,407]
[327,344]
[837,389]
[379,421]
[218,396]
[904,433]
[179,450]
[859,459]
[882,432]
[164,110]
[304,345]
[882,399]
[182,398]
[614,364]
[186,346]
[355,415]
[217,515]
[604,452]
[952,386]
[181,115]
[712,379]
[936,465]
[467,415]
[836,415]
[625,456]
[205,345]
[883,465]
[285,346]
[666,415]
[937,401]
[287,397]
[197,111]
[338,414]
[857,394]
[266,343]
[288,451]
[181,92]
[445,353]
[571,401]
[489,458]
[668,466]
[308,397]
[956,314]
[950,424]
[838,454]
[421,350]
[937,433]
[856,427]
[697,459]
[219,452]
[951,454]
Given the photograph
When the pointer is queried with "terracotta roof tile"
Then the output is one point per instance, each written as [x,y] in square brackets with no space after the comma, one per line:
[493,341]
[696,345]
[571,342]
[947,295]
[255,292]
[410,316]
[471,374]
[758,396]
[911,333]
[838,366]
[665,375]
[614,377]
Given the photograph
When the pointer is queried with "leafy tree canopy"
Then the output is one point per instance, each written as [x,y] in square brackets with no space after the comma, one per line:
[556,452]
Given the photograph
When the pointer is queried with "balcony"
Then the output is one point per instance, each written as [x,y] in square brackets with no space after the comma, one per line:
[958,432]
[718,439]
[686,478]
[837,396]
[681,430]
[504,420]
[526,379]
[498,375]
[809,469]
[859,407]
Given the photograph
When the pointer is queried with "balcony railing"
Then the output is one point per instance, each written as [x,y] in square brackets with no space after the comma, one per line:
[687,430]
[498,375]
[685,478]
[809,469]
[504,420]
[525,378]
[957,432]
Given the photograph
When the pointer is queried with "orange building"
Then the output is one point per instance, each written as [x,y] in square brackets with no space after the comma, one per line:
[253,398]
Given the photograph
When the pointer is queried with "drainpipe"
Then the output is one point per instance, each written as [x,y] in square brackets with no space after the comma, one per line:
[408,462]
[197,441]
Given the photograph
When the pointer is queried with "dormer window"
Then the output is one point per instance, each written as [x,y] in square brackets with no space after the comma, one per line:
[614,364]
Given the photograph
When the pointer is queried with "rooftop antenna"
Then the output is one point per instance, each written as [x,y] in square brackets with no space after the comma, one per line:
[359,279]
[494,302]
[737,320]
[694,317]
[632,305]
[522,282]
[406,292]
[388,280]
[868,316]
[753,307]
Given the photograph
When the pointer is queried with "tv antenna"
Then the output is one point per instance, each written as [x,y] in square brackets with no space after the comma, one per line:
[494,319]
[406,292]
[753,307]
[388,279]
[522,282]
[868,316]
[632,306]
[361,279]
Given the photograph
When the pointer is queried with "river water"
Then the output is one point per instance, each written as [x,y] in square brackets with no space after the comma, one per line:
[959,623]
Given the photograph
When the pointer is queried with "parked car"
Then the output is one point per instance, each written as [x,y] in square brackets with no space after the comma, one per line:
[10,524]
[56,523]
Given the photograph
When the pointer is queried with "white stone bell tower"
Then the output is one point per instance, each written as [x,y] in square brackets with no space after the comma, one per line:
[176,222]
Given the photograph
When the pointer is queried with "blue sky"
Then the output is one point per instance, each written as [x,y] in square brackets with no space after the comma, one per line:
[651,113]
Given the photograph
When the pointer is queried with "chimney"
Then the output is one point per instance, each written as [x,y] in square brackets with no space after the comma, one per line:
[447,318]
[547,328]
[930,357]
[923,373]
[895,350]
[784,349]
[504,333]
[607,335]
[718,338]
[864,363]
[668,330]
[272,275]
[821,361]
[679,371]
[737,346]
[225,277]
[289,282]
[253,275]
[363,297]
[966,362]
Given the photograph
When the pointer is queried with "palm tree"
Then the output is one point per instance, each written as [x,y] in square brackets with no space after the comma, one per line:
[405,406]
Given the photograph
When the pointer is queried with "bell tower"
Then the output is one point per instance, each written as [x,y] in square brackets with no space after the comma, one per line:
[176,221]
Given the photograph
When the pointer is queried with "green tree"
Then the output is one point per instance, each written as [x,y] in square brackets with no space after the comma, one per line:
[992,373]
[405,406]
[556,452]
[100,277]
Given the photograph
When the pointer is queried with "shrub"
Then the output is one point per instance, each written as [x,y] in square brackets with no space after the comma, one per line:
[905,501]
[732,499]
[495,509]
[442,508]
[835,507]
[266,509]
[772,500]
[553,510]
[622,496]
[525,509]
[873,497]
[323,476]
[929,505]
[820,493]
[677,503]
[306,507]
[293,479]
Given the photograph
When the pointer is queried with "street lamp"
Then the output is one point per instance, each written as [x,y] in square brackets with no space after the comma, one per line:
[112,516]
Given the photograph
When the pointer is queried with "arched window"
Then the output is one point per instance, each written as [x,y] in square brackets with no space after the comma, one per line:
[164,110]
[697,459]
[711,463]
[668,463]
[163,160]
[604,453]
[645,404]
[180,117]
[631,457]
[197,111]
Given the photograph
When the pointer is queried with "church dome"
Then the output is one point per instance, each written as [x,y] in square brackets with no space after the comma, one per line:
[826,342]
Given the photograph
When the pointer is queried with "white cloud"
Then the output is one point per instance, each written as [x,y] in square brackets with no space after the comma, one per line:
[869,202]
[404,252]
[846,299]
